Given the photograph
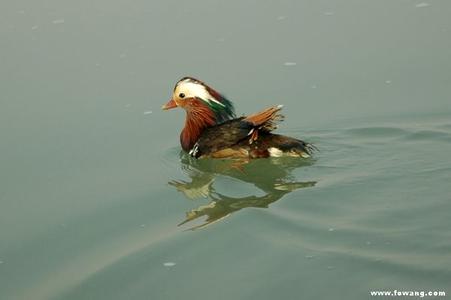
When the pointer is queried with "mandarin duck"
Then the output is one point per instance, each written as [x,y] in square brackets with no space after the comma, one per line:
[212,129]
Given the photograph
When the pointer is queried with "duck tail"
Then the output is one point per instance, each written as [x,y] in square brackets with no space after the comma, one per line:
[310,148]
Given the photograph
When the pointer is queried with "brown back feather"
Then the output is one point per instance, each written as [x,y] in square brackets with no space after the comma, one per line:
[266,119]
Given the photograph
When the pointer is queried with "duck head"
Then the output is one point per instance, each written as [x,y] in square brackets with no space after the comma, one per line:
[204,107]
[190,93]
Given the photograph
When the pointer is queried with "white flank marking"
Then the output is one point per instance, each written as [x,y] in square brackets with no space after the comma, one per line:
[194,151]
[305,155]
[275,152]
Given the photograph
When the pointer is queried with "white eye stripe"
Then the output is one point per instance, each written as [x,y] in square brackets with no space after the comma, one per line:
[191,90]
[216,101]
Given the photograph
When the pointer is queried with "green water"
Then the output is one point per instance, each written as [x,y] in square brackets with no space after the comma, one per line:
[93,185]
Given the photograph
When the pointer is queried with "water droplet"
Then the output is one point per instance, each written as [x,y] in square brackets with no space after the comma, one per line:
[169,264]
[331,229]
[387,81]
[289,64]
[368,243]
[329,13]
[147,112]
[309,256]
[281,18]
[34,27]
[313,86]
[123,55]
[142,225]
[58,21]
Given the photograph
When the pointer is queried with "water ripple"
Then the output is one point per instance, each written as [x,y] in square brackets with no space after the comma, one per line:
[377,132]
[429,135]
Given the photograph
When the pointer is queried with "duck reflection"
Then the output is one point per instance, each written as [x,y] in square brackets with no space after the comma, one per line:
[272,176]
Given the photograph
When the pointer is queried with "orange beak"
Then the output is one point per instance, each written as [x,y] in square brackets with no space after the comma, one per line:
[171,104]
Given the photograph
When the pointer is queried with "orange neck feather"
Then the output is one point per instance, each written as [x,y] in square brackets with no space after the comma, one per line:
[198,117]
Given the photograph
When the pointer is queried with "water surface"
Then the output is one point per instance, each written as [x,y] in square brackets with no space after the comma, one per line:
[93,185]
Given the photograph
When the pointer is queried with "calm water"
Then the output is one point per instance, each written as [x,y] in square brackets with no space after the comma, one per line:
[93,185]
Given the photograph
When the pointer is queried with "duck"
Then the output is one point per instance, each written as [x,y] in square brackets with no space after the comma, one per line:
[212,129]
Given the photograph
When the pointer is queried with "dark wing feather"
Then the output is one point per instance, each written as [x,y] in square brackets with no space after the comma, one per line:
[222,136]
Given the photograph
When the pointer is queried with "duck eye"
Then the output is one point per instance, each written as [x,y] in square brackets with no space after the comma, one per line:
[182,95]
